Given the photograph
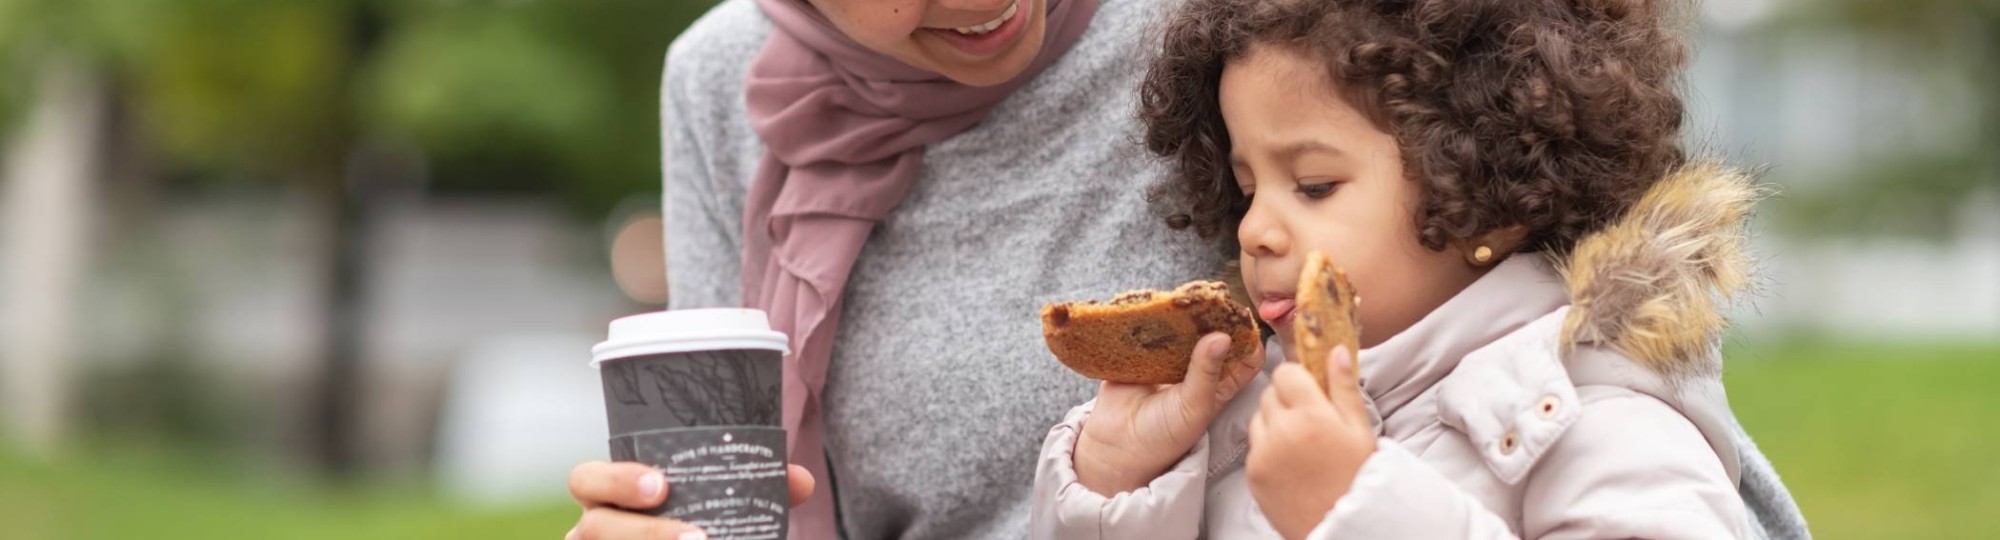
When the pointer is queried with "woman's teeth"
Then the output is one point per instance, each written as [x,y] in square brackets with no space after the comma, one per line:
[988,26]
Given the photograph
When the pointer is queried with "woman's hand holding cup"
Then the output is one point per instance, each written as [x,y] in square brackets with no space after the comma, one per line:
[605,489]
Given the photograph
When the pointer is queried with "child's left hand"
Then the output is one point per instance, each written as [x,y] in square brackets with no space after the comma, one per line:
[1306,447]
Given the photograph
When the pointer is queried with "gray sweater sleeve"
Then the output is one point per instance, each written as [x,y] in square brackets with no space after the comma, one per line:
[703,209]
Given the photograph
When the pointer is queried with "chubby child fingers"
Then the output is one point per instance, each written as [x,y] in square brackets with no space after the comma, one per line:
[1108,391]
[1269,402]
[1240,372]
[1206,367]
[1344,386]
[1252,361]
[1260,424]
[1200,391]
[1295,387]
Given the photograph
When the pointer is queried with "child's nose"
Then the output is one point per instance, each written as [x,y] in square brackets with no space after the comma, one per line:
[1261,236]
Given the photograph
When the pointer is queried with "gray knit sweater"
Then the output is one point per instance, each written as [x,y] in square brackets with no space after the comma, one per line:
[941,390]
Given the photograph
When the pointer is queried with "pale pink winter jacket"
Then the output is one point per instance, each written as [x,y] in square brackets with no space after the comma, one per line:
[1582,402]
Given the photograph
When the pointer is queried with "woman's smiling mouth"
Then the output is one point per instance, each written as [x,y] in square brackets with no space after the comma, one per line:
[990,37]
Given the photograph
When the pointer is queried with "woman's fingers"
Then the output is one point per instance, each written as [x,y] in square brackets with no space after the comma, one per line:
[613,524]
[1344,386]
[801,483]
[604,488]
[599,484]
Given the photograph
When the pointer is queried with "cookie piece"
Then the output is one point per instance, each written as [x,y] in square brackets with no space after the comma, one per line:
[1146,336]
[1325,316]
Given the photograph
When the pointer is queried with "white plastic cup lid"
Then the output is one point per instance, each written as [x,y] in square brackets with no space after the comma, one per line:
[688,330]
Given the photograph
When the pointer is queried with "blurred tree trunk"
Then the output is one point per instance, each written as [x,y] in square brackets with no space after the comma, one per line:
[340,183]
[50,198]
[1988,56]
[336,396]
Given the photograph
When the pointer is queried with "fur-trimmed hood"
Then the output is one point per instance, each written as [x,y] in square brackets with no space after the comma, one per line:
[1653,284]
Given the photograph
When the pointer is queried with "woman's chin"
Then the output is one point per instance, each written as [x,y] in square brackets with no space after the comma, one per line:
[997,75]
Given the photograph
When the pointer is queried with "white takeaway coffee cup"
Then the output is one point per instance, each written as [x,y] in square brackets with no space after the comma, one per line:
[697,393]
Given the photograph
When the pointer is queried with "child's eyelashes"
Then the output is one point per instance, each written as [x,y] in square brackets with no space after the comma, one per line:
[1317,190]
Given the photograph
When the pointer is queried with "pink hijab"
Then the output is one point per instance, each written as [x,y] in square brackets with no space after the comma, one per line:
[844,130]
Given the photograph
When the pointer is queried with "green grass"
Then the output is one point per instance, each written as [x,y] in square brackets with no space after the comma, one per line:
[127,494]
[1878,441]
[1875,441]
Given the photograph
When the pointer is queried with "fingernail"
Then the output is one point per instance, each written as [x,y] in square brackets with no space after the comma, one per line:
[651,485]
[571,535]
[1342,360]
[1221,347]
[694,535]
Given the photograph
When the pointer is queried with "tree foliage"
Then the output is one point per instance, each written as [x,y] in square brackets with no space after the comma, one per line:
[542,96]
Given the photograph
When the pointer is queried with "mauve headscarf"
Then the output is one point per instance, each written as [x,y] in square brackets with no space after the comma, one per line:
[844,130]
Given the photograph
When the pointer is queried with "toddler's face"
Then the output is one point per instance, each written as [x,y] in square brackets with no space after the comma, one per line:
[1323,177]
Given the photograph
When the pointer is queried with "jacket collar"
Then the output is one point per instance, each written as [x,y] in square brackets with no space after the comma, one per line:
[1518,291]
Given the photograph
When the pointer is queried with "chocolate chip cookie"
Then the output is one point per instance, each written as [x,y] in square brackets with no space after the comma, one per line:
[1146,336]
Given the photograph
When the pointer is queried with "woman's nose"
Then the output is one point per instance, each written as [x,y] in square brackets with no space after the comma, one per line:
[1261,234]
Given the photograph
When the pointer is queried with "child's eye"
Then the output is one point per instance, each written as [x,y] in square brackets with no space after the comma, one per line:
[1319,190]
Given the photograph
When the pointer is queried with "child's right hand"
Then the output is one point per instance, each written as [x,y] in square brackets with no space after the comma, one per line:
[1137,431]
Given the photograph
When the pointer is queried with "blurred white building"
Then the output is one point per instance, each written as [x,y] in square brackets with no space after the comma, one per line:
[465,299]
[1814,106]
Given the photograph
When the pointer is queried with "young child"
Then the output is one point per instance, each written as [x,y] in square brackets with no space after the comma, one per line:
[1541,270]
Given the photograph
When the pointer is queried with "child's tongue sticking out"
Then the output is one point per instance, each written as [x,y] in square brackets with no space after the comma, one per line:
[1276,310]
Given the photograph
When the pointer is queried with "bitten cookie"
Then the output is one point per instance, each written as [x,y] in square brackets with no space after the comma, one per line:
[1326,315]
[1146,336]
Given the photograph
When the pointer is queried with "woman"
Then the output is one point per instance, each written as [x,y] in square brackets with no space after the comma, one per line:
[999,132]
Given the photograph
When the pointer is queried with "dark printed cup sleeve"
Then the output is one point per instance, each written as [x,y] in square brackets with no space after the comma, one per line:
[729,480]
[710,420]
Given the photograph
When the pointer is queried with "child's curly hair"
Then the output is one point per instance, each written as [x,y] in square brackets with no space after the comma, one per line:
[1550,114]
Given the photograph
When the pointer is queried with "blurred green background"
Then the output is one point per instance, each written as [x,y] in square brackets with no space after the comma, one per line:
[329,268]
